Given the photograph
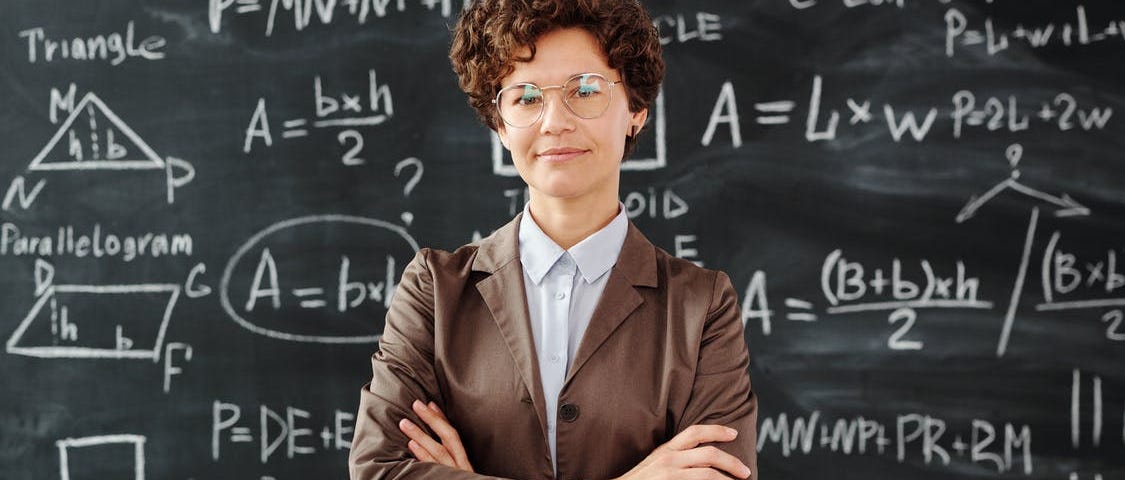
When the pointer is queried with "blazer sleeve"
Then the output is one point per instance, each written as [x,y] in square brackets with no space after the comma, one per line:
[721,393]
[402,370]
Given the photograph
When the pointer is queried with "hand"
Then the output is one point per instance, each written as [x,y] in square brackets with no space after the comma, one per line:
[450,452]
[682,457]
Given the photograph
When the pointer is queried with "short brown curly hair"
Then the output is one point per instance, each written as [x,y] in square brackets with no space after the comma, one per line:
[489,32]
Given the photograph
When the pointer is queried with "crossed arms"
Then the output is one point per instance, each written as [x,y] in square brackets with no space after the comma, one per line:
[405,370]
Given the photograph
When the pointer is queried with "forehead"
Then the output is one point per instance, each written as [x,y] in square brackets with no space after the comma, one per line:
[560,54]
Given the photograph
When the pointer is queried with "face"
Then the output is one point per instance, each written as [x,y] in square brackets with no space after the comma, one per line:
[562,155]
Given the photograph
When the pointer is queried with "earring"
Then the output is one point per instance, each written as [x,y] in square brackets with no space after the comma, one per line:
[634,131]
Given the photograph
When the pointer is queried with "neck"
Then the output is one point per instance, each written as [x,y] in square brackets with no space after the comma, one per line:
[568,221]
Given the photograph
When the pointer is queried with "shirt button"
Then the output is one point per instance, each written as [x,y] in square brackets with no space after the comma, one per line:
[560,295]
[555,358]
[568,412]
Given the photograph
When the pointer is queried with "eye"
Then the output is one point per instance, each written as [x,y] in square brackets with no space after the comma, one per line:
[588,86]
[584,92]
[531,95]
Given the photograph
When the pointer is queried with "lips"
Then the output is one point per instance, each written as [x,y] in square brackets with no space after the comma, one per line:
[559,154]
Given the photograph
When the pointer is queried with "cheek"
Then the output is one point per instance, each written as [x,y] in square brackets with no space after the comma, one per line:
[518,142]
[615,129]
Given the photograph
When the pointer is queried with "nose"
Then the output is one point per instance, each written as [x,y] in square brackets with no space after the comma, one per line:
[557,118]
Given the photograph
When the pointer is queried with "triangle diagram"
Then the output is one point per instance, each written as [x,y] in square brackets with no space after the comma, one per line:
[95,138]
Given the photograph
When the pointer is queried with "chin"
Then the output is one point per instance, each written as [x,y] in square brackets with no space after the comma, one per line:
[561,191]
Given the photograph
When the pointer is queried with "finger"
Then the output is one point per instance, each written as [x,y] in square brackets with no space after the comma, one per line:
[455,448]
[713,457]
[704,473]
[433,406]
[420,453]
[694,435]
[450,439]
[422,438]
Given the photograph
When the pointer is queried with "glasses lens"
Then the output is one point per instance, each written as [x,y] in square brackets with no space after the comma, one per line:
[587,95]
[520,104]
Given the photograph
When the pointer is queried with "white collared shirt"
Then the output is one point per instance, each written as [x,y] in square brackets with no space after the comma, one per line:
[563,288]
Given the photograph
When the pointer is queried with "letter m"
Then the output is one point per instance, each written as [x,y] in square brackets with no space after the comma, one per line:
[61,102]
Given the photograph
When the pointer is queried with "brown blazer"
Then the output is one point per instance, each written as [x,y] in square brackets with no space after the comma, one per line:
[663,351]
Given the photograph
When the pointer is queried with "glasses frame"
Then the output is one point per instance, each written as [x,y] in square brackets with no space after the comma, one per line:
[543,108]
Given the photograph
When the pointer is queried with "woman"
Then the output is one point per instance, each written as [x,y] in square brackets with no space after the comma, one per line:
[564,345]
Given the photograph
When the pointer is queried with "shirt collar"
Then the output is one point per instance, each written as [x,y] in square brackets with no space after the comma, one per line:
[594,255]
[538,253]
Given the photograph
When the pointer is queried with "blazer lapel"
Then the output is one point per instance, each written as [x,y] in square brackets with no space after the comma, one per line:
[635,267]
[503,293]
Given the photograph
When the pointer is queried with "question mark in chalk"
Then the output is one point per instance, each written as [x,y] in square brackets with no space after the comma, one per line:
[408,217]
[1014,153]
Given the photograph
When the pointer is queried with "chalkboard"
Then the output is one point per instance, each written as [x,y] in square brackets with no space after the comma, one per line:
[207,205]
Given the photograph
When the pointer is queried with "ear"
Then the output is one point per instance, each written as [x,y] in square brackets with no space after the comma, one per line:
[637,122]
[503,134]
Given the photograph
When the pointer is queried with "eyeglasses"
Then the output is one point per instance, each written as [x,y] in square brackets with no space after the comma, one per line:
[586,95]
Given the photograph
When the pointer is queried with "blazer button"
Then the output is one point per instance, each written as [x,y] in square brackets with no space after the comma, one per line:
[568,412]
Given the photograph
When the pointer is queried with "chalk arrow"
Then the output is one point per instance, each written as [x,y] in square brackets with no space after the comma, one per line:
[1073,208]
[1068,207]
